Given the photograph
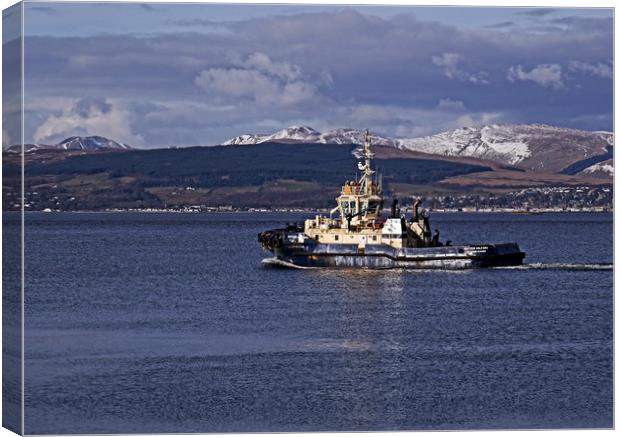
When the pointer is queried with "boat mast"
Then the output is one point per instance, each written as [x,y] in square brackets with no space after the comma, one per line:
[366,180]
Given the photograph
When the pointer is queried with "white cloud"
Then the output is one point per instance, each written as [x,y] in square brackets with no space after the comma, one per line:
[545,75]
[282,70]
[237,83]
[478,119]
[89,116]
[449,64]
[598,70]
[259,79]
[450,105]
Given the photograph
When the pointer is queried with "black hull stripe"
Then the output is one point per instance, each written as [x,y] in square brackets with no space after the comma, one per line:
[395,258]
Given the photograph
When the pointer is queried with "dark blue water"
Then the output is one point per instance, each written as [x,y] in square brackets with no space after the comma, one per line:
[169,323]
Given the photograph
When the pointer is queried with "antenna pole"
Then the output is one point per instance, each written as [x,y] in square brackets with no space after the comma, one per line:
[368,172]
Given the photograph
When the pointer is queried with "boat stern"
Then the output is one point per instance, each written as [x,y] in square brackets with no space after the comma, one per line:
[497,255]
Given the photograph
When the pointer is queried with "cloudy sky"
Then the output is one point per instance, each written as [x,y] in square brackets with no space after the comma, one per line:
[156,75]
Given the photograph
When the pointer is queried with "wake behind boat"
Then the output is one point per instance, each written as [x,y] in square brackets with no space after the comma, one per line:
[361,236]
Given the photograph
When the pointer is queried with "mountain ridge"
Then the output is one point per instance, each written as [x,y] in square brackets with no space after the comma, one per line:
[92,142]
[528,147]
[537,147]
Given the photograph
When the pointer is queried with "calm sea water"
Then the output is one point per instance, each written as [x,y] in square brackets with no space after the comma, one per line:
[170,323]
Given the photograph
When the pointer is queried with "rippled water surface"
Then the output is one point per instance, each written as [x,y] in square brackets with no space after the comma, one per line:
[171,323]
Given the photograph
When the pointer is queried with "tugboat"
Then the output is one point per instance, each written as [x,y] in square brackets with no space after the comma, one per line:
[362,237]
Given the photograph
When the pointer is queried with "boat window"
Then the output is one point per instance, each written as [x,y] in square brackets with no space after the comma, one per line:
[348,207]
[336,237]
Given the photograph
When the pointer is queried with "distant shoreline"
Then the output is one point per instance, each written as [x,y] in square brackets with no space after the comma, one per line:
[309,211]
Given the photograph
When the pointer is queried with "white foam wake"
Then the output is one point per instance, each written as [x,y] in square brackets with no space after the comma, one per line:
[275,262]
[560,266]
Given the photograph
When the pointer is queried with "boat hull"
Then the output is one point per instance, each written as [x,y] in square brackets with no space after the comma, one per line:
[309,254]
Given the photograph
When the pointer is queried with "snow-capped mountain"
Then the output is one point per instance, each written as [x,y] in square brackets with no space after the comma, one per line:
[90,143]
[531,146]
[73,143]
[293,134]
[495,143]
[354,136]
[305,134]
[605,168]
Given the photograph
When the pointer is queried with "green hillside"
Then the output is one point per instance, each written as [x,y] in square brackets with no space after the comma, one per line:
[250,165]
[270,174]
